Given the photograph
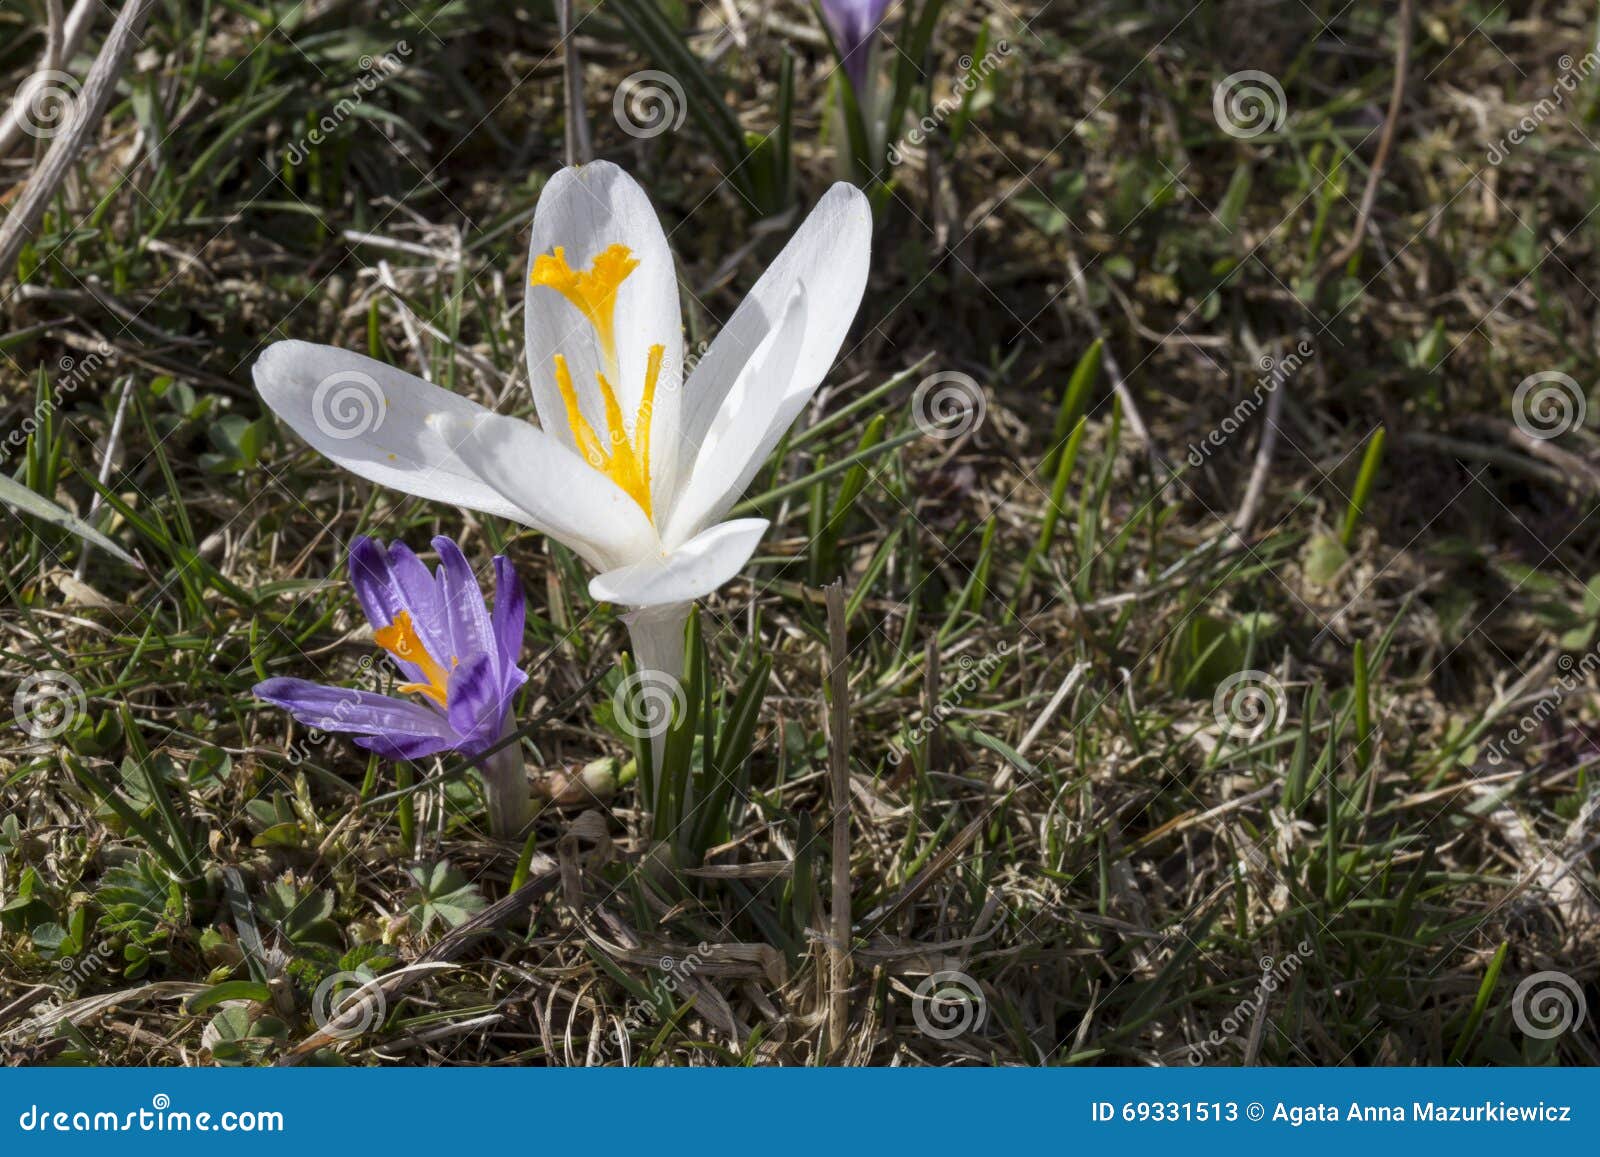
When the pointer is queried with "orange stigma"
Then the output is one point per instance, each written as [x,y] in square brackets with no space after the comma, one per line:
[592,291]
[400,639]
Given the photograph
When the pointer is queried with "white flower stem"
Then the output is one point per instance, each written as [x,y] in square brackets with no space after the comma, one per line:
[657,637]
[505,784]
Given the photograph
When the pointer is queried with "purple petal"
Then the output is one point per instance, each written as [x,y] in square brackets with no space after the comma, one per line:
[369,575]
[466,619]
[396,746]
[388,582]
[510,617]
[854,23]
[394,727]
[478,703]
[421,594]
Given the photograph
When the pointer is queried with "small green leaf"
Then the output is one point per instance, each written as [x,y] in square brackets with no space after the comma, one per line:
[1324,557]
[443,895]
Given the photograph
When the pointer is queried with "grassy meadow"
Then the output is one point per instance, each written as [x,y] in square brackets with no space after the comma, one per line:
[1176,638]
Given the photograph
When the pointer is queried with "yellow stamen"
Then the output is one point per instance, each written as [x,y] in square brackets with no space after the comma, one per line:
[593,292]
[582,432]
[626,463]
[400,639]
[647,405]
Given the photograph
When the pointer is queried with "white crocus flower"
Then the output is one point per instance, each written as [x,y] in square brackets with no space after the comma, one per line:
[630,466]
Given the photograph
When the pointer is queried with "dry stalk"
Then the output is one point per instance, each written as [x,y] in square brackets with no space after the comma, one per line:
[839,775]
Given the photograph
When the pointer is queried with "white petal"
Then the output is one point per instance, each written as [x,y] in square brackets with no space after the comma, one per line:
[552,489]
[695,569]
[754,416]
[372,419]
[584,210]
[829,252]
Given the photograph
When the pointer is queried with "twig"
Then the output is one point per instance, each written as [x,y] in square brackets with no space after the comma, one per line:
[839,769]
[387,282]
[1079,670]
[54,36]
[1002,778]
[933,747]
[107,458]
[1369,195]
[1256,485]
[579,149]
[23,1003]
[1264,450]
[60,51]
[377,241]
[103,77]
[1130,408]
[1498,456]
[1576,470]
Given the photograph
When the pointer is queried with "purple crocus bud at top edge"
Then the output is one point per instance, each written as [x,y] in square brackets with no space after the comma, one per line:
[854,24]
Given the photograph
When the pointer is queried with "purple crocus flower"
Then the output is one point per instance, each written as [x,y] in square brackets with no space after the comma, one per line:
[459,660]
[854,24]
